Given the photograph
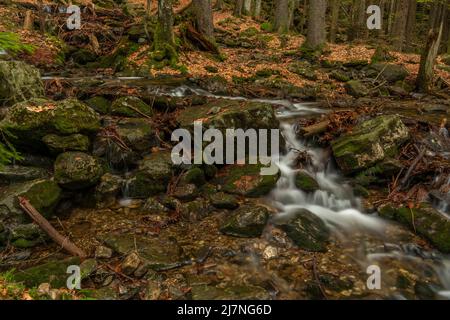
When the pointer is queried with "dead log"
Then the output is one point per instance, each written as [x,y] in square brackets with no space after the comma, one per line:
[316,128]
[200,40]
[48,228]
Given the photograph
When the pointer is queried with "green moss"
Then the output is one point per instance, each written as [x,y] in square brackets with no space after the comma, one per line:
[305,182]
[99,104]
[194,176]
[266,26]
[127,106]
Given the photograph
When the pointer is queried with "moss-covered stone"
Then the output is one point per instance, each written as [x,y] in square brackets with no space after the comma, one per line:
[14,173]
[26,235]
[77,170]
[99,104]
[58,144]
[53,272]
[229,292]
[305,182]
[42,194]
[194,176]
[157,253]
[30,121]
[19,82]
[306,230]
[246,180]
[138,134]
[390,72]
[369,143]
[356,88]
[130,107]
[152,176]
[340,76]
[221,200]
[303,69]
[108,189]
[247,222]
[427,221]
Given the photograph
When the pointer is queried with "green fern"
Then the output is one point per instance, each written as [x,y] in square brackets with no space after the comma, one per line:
[8,153]
[11,43]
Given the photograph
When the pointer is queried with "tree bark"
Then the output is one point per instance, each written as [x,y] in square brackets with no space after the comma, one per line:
[238,8]
[28,21]
[316,36]
[399,26]
[335,4]
[411,23]
[247,7]
[256,9]
[204,18]
[281,20]
[429,54]
[358,28]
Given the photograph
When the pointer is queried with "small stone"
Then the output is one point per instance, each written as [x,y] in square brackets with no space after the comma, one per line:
[103,252]
[131,263]
[187,192]
[44,288]
[222,200]
[270,252]
[246,222]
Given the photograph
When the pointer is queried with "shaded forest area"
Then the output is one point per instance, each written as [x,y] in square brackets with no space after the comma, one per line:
[359,89]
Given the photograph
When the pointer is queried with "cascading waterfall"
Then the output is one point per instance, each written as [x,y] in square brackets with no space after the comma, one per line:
[334,202]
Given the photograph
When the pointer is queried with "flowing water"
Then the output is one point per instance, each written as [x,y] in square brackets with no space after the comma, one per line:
[367,238]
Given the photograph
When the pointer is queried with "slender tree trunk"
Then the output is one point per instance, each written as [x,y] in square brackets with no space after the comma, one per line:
[256,9]
[28,22]
[428,57]
[164,30]
[390,16]
[281,20]
[399,27]
[411,23]
[238,8]
[247,8]
[204,17]
[316,36]
[335,4]
[304,16]
[219,4]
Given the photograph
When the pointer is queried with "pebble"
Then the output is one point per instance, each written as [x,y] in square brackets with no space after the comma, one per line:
[270,252]
[130,263]
[103,252]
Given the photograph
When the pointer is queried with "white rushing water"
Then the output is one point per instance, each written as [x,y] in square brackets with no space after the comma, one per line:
[334,202]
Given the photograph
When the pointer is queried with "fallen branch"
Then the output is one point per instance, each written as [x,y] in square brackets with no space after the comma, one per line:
[316,128]
[48,228]
[412,167]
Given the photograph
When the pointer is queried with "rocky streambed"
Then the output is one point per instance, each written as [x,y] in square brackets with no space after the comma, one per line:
[99,168]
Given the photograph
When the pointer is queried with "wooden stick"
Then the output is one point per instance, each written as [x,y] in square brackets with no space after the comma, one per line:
[316,128]
[48,228]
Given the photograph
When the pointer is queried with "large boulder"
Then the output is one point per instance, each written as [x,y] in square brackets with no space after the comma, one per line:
[246,180]
[32,120]
[389,72]
[306,230]
[370,142]
[43,195]
[356,89]
[77,170]
[18,82]
[152,176]
[246,222]
[425,220]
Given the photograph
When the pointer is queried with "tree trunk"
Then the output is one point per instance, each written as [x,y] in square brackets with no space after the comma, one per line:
[399,27]
[204,18]
[335,4]
[247,7]
[390,16]
[411,23]
[429,54]
[28,22]
[164,30]
[316,36]
[257,9]
[281,21]
[238,8]
[358,28]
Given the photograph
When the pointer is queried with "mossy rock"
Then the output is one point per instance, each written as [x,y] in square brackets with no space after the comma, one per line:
[380,173]
[43,195]
[17,173]
[77,170]
[357,64]
[30,121]
[340,76]
[305,182]
[388,71]
[229,292]
[26,235]
[99,104]
[138,134]
[83,56]
[446,59]
[246,180]
[157,253]
[108,189]
[221,200]
[426,221]
[152,176]
[58,144]
[19,82]
[370,142]
[53,272]
[246,222]
[356,89]
[194,176]
[130,107]
[306,230]
[381,54]
[304,70]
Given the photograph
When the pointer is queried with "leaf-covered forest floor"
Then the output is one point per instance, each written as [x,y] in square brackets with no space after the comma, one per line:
[198,260]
